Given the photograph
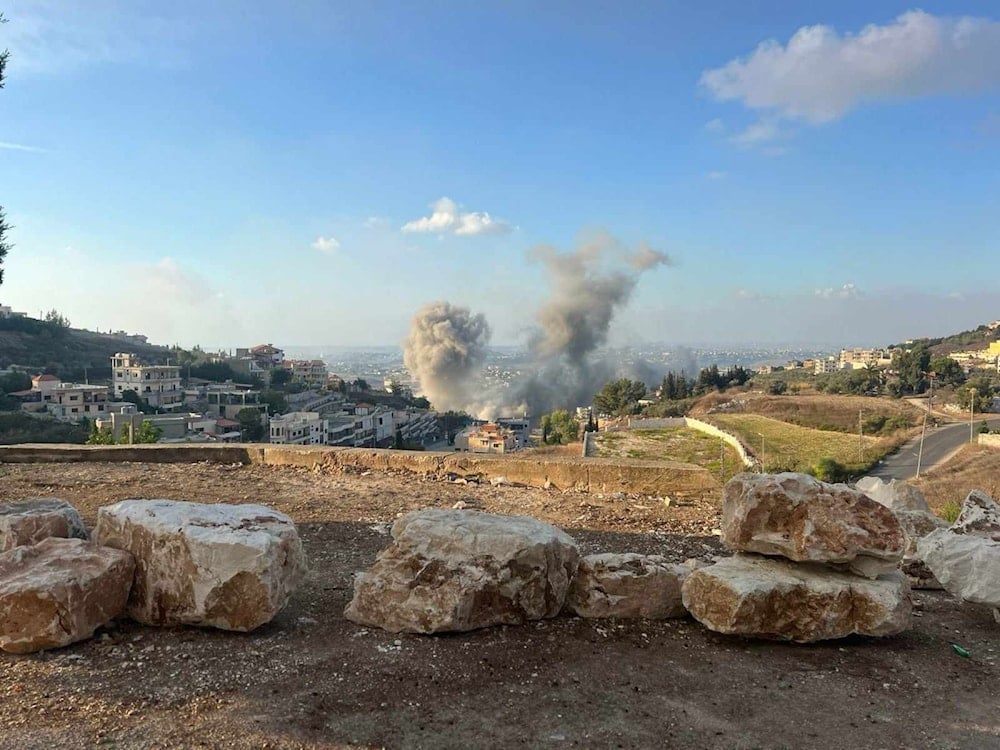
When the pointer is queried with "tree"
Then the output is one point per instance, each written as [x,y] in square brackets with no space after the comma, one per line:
[829,470]
[147,433]
[397,442]
[947,371]
[620,396]
[361,384]
[102,436]
[777,387]
[280,377]
[251,428]
[56,318]
[276,402]
[911,368]
[559,427]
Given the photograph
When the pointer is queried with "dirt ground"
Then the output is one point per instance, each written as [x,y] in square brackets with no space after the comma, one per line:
[311,679]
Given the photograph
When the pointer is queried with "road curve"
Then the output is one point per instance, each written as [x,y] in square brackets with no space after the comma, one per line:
[940,443]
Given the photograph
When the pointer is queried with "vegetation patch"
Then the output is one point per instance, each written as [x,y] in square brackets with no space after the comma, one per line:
[680,444]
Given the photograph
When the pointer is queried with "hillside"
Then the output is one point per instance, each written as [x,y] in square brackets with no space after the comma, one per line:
[36,344]
[978,338]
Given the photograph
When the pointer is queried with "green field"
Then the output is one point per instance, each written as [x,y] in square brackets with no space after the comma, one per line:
[672,444]
[788,447]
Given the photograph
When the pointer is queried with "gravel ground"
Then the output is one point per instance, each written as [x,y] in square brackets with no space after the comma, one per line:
[311,679]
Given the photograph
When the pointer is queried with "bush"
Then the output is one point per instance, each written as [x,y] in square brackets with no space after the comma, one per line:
[829,470]
[777,387]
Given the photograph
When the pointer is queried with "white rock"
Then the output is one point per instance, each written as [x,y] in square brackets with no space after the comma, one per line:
[31,521]
[60,591]
[226,566]
[967,565]
[457,570]
[777,599]
[627,586]
[980,515]
[894,494]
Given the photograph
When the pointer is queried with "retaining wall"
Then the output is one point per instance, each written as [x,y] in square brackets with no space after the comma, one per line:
[591,475]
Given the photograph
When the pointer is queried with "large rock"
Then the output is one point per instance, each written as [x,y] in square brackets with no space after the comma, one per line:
[802,602]
[456,570]
[805,520]
[60,591]
[627,586]
[31,521]
[965,557]
[980,515]
[226,566]
[895,495]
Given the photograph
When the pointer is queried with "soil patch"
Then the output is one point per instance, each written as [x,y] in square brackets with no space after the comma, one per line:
[311,679]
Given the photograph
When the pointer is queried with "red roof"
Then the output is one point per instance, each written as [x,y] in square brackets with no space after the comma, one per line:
[45,378]
[226,423]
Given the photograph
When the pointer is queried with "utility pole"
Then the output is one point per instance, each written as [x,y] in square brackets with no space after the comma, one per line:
[861,439]
[761,451]
[722,461]
[972,412]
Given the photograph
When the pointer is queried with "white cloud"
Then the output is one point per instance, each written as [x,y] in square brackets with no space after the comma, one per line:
[757,133]
[20,147]
[846,291]
[715,175]
[715,126]
[375,222]
[326,245]
[446,218]
[820,75]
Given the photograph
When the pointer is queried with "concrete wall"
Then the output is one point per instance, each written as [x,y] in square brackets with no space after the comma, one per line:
[991,441]
[593,475]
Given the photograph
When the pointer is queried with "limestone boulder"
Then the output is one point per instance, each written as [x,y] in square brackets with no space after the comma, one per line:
[895,495]
[458,570]
[802,519]
[967,565]
[232,567]
[965,557]
[980,516]
[31,521]
[776,599]
[627,586]
[60,591]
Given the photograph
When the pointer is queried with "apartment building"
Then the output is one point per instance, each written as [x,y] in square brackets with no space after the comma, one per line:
[487,438]
[298,428]
[159,385]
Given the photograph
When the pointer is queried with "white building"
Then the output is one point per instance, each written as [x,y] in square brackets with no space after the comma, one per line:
[298,428]
[159,385]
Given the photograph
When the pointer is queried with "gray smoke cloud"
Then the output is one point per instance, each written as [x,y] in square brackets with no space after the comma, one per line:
[445,351]
[589,285]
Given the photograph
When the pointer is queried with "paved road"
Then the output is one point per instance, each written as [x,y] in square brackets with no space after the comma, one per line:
[939,444]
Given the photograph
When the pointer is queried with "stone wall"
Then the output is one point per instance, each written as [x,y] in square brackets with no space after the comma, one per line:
[591,475]
[990,440]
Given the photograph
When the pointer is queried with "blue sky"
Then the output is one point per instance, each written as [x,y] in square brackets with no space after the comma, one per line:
[315,173]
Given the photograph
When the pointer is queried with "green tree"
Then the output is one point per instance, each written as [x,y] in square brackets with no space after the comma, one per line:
[280,377]
[777,387]
[559,427]
[102,436]
[147,433]
[620,396]
[829,470]
[947,371]
[251,427]
[911,368]
[276,402]
[984,387]
[397,441]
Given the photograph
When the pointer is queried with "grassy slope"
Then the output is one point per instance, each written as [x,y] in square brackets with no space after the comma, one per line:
[789,447]
[976,467]
[670,444]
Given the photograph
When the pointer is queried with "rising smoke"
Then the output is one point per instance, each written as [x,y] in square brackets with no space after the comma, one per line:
[589,285]
[445,352]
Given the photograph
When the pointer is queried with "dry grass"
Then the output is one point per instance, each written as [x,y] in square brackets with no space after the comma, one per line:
[976,467]
[671,444]
[815,410]
[788,447]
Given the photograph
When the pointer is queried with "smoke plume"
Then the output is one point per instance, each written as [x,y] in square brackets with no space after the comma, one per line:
[446,346]
[445,352]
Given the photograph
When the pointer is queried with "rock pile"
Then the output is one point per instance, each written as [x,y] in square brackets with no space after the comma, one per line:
[838,574]
[627,586]
[965,557]
[457,570]
[162,562]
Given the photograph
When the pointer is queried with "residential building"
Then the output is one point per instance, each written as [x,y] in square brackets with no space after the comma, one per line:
[858,359]
[227,400]
[159,385]
[827,365]
[309,372]
[258,361]
[487,438]
[7,312]
[367,427]
[520,427]
[298,428]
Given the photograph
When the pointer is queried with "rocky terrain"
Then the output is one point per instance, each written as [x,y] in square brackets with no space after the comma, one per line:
[312,679]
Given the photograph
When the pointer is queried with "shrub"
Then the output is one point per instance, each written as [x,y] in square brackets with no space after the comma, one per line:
[829,470]
[949,511]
